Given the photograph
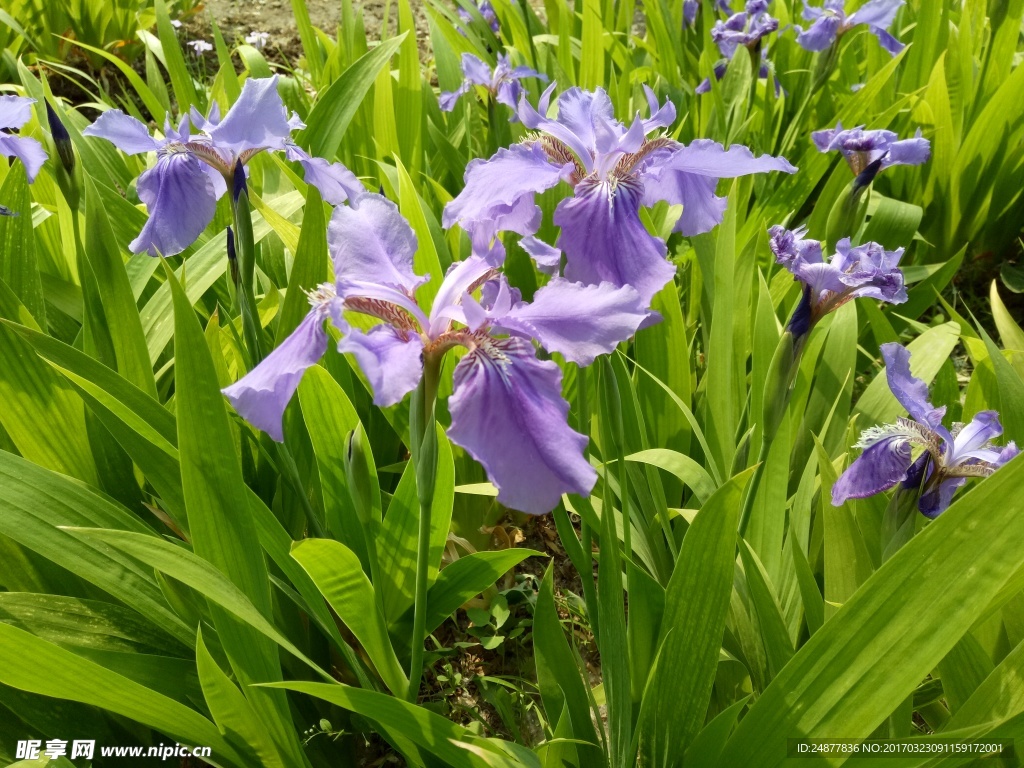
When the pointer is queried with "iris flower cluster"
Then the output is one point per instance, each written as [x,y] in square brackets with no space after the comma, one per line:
[15,111]
[196,162]
[830,22]
[613,171]
[867,270]
[507,409]
[690,8]
[919,453]
[747,29]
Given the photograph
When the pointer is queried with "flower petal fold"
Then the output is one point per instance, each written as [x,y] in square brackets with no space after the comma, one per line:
[373,243]
[261,396]
[391,361]
[883,464]
[26,149]
[258,120]
[509,414]
[181,199]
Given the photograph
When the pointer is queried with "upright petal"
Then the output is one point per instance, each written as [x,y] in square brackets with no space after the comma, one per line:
[578,321]
[462,277]
[258,120]
[499,192]
[508,413]
[605,241]
[261,396]
[884,463]
[911,392]
[373,243]
[974,437]
[124,132]
[181,199]
[26,149]
[390,359]
[335,182]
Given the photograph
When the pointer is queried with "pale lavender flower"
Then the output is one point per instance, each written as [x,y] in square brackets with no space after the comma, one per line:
[257,40]
[15,111]
[486,10]
[193,170]
[919,451]
[506,407]
[853,271]
[830,22]
[199,47]
[176,23]
[862,149]
[503,82]
[746,28]
[613,171]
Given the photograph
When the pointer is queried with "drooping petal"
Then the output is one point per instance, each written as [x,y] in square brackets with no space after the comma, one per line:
[123,131]
[181,199]
[705,157]
[661,116]
[876,13]
[911,392]
[261,396]
[578,321]
[499,192]
[935,501]
[26,149]
[887,41]
[257,120]
[448,99]
[547,258]
[335,182]
[476,70]
[605,241]
[390,359]
[509,414]
[373,243]
[15,111]
[703,210]
[820,34]
[908,152]
[884,463]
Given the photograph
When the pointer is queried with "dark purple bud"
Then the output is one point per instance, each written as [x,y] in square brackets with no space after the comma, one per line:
[800,323]
[61,139]
[865,177]
[232,257]
[239,179]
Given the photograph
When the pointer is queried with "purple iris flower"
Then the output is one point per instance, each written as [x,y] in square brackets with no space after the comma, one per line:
[764,72]
[865,270]
[193,170]
[863,148]
[830,22]
[920,452]
[15,111]
[486,10]
[503,82]
[507,408]
[745,28]
[690,8]
[613,171]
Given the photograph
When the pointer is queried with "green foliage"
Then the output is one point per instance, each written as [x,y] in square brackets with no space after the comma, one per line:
[168,572]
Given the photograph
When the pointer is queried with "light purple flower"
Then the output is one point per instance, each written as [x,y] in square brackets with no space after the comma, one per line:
[193,170]
[919,451]
[863,271]
[863,148]
[745,28]
[257,40]
[507,409]
[613,170]
[831,22]
[15,111]
[503,83]
[199,47]
[486,10]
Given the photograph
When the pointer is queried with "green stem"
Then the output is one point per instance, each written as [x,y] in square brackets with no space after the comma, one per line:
[423,437]
[755,482]
[586,535]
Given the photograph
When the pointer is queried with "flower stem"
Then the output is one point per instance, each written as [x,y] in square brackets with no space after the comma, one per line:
[423,439]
